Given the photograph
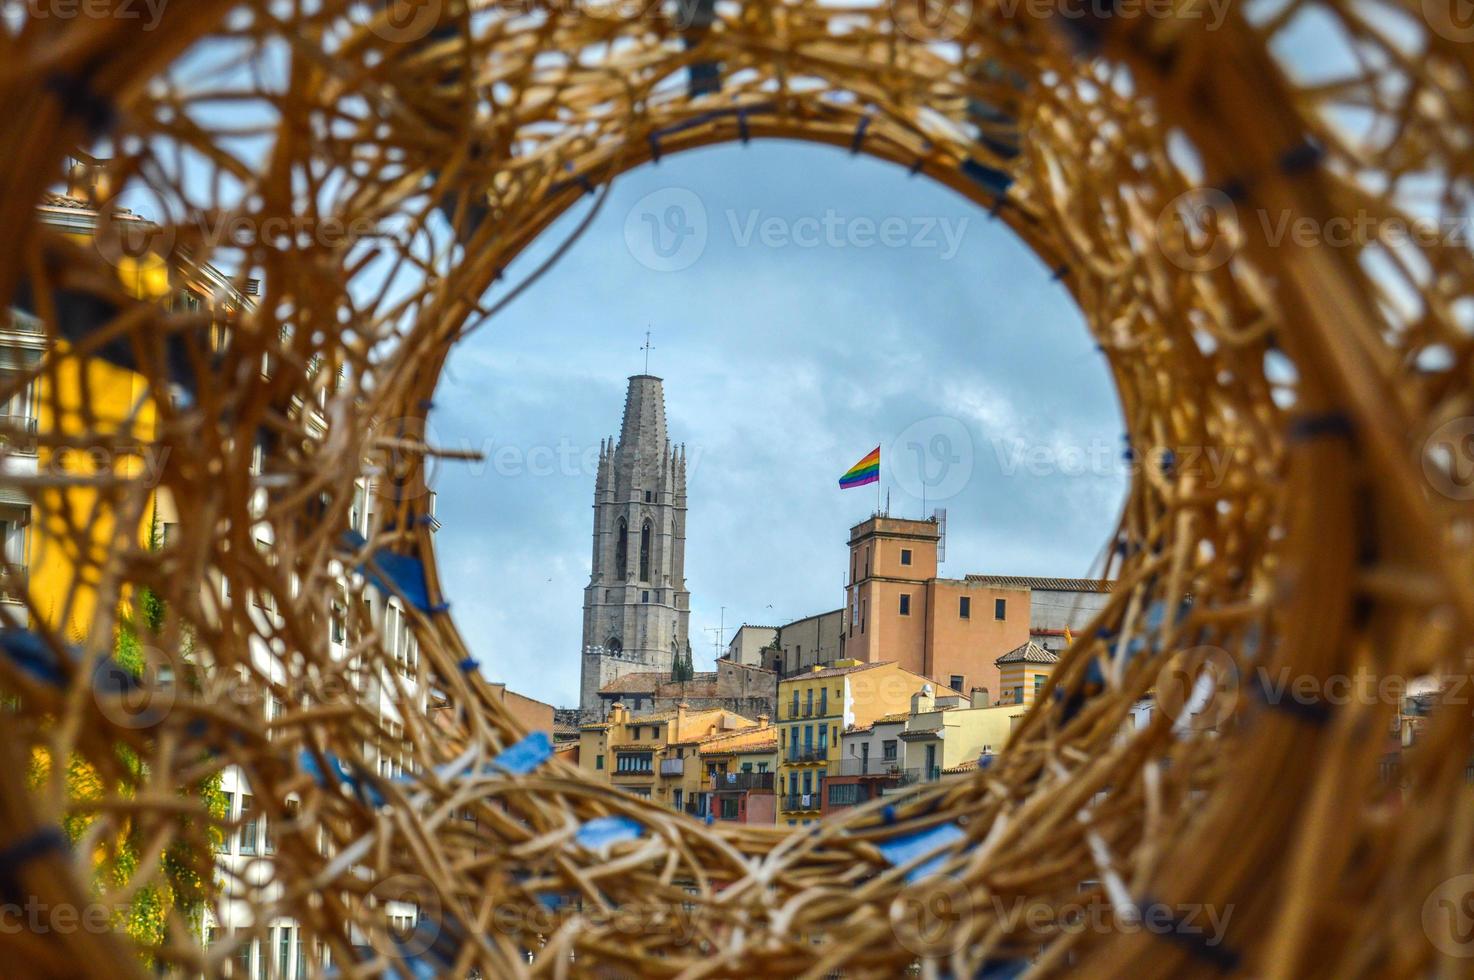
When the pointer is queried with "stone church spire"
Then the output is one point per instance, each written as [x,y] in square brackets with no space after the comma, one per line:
[636,610]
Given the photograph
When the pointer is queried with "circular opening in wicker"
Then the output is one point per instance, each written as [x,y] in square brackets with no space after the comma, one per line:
[1294,384]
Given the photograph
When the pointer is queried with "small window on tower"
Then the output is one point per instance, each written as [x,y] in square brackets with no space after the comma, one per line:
[905,604]
[905,556]
[645,552]
[645,596]
[964,607]
[1000,608]
[649,497]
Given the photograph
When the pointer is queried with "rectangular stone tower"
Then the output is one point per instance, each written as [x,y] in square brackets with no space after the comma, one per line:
[636,610]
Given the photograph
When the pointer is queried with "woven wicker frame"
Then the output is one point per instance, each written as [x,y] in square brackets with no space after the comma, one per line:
[1336,541]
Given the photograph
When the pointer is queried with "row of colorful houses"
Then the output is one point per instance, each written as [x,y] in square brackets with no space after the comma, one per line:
[844,734]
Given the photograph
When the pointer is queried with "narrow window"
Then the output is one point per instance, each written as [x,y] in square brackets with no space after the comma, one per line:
[248,826]
[621,551]
[905,556]
[1000,608]
[964,607]
[645,552]
[645,596]
[598,762]
[649,497]
[905,604]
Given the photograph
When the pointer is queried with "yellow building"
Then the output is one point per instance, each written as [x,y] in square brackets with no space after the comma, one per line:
[939,738]
[1023,672]
[104,401]
[815,708]
[741,770]
[656,756]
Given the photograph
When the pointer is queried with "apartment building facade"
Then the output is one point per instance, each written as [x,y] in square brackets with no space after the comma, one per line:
[656,756]
[815,709]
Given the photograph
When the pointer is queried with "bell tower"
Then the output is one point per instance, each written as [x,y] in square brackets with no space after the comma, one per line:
[636,610]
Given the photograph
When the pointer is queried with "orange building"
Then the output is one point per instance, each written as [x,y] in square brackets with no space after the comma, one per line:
[950,630]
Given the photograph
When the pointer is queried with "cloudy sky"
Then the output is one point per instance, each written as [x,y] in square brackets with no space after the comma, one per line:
[805,306]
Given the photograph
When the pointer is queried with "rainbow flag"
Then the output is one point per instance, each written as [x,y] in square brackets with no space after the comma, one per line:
[864,472]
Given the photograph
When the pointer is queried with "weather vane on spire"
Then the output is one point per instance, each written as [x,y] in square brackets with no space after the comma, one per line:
[647,348]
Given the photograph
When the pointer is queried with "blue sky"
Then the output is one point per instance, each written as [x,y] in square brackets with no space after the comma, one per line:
[802,330]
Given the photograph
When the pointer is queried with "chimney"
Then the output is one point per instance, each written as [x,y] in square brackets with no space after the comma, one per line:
[980,697]
[681,710]
[88,181]
[923,700]
[762,721]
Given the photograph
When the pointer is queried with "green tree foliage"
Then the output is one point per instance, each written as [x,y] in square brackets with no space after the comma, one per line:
[179,886]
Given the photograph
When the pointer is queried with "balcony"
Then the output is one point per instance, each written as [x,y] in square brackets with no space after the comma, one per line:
[18,434]
[868,767]
[922,775]
[742,781]
[645,771]
[800,801]
[13,580]
[672,767]
[808,753]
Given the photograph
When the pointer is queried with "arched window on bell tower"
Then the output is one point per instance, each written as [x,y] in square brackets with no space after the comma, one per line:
[621,552]
[645,552]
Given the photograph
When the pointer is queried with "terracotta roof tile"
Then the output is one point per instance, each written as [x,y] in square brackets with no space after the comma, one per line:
[1029,653]
[1045,584]
[837,671]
